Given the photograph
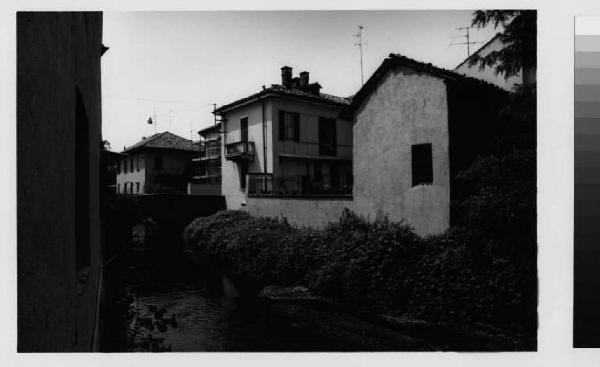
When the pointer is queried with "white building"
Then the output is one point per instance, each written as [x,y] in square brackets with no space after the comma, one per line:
[157,164]
[488,73]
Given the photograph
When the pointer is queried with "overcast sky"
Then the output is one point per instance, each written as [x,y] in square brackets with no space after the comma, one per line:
[180,63]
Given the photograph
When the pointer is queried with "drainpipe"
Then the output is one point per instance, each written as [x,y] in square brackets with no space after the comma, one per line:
[264,128]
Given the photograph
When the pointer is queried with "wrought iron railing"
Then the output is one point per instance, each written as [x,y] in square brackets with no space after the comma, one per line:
[260,184]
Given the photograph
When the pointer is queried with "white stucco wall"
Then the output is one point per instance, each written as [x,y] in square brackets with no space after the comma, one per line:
[309,116]
[173,163]
[311,212]
[405,109]
[132,177]
[230,187]
[488,74]
[309,130]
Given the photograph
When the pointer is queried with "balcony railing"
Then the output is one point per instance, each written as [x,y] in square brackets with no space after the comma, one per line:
[240,150]
[210,153]
[267,185]
[209,180]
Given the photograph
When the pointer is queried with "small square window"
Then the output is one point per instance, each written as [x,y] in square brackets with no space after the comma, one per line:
[422,165]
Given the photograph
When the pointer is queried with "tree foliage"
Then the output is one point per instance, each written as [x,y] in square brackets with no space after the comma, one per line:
[518,37]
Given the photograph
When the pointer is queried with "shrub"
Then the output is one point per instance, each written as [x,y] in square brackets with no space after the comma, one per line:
[377,265]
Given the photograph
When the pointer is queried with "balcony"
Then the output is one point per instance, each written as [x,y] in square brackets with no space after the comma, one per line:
[261,184]
[210,153]
[241,150]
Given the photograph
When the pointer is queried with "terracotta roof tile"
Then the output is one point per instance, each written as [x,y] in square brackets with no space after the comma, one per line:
[164,140]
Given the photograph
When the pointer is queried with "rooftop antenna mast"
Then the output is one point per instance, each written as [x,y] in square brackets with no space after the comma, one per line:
[467,37]
[360,44]
[155,121]
[214,113]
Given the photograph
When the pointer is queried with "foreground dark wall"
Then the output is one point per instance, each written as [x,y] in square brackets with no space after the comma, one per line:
[58,155]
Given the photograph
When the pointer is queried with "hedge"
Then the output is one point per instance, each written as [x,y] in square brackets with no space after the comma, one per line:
[379,266]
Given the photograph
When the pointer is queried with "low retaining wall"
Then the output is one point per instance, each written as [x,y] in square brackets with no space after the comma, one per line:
[203,189]
[305,211]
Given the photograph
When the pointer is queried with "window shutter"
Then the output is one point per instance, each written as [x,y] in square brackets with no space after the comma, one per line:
[281,125]
[296,127]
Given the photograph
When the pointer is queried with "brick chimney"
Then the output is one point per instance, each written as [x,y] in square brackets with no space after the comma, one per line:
[286,76]
[303,79]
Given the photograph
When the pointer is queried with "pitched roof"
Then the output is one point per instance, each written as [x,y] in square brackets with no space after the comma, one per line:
[395,60]
[211,128]
[164,140]
[277,90]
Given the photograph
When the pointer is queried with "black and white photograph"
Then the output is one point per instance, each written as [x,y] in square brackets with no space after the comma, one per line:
[277,181]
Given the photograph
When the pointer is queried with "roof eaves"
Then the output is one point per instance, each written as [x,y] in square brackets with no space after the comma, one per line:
[400,60]
[278,91]
[143,142]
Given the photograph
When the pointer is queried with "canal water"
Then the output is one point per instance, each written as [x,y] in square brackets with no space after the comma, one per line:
[209,322]
[155,300]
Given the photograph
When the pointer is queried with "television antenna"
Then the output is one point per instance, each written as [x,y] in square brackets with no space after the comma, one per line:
[467,37]
[360,45]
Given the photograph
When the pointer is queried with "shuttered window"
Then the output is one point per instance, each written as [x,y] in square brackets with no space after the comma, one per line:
[289,126]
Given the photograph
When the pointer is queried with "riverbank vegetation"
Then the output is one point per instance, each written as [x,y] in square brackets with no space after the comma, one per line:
[479,277]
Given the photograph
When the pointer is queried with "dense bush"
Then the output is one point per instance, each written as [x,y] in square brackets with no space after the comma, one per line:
[373,265]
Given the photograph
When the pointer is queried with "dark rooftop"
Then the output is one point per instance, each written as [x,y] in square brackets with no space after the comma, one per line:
[298,87]
[210,129]
[164,140]
[394,60]
[277,90]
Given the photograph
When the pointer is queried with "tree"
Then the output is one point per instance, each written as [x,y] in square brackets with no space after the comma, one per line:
[520,43]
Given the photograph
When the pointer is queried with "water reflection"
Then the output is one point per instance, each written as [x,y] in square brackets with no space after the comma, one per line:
[206,322]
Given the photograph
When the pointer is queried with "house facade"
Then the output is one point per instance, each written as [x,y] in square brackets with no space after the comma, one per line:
[394,149]
[157,164]
[206,167]
[415,127]
[286,141]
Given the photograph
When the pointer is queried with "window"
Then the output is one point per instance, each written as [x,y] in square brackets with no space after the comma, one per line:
[422,165]
[131,188]
[137,163]
[131,163]
[137,187]
[289,126]
[158,162]
[244,129]
[327,136]
[124,166]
